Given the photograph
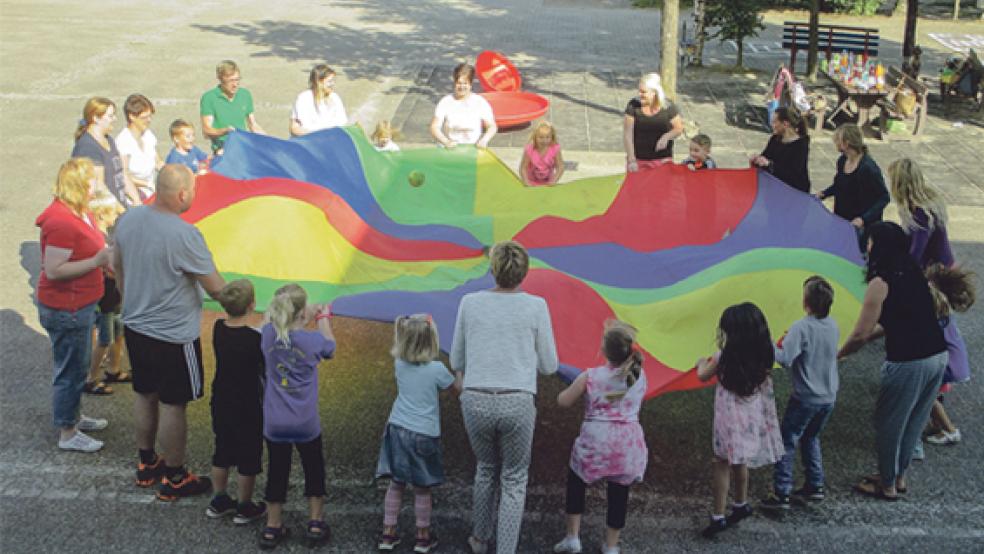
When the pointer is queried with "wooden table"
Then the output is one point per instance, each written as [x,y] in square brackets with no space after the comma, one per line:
[864,100]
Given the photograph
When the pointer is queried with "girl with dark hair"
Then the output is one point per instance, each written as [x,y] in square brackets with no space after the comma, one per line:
[746,428]
[787,154]
[898,298]
[611,445]
[319,107]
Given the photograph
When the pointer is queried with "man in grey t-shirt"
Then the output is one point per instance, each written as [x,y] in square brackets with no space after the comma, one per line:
[162,264]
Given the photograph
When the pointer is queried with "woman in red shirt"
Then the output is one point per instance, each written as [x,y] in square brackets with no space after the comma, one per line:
[73,252]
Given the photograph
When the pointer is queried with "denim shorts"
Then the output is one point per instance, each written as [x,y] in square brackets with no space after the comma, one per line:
[409,457]
[110,326]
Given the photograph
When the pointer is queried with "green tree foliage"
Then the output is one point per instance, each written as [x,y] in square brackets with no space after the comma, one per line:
[734,20]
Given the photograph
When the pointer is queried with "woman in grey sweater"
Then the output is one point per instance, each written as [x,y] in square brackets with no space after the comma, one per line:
[502,337]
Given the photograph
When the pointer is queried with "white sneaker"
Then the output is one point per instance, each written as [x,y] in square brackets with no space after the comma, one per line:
[943,438]
[81,443]
[87,423]
[569,544]
[918,453]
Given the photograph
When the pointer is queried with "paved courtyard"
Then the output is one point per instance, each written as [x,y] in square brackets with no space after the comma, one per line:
[394,60]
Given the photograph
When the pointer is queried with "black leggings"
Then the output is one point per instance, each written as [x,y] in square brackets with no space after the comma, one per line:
[312,461]
[618,499]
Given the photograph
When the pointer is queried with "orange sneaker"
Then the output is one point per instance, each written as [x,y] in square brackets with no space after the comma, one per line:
[149,475]
[189,485]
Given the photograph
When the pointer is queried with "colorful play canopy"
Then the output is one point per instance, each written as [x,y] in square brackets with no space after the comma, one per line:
[666,249]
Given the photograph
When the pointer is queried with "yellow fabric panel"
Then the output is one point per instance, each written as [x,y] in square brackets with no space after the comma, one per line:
[299,244]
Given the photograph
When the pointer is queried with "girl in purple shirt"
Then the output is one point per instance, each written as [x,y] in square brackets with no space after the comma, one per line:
[290,406]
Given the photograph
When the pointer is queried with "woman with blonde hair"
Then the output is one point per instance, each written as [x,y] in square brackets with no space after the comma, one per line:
[502,338]
[319,107]
[93,141]
[73,253]
[859,191]
[922,213]
[651,123]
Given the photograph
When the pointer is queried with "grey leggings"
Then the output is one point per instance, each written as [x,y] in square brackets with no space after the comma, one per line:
[500,430]
[905,398]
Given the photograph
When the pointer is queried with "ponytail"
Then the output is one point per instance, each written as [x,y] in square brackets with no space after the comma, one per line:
[94,107]
[795,119]
[286,307]
[621,350]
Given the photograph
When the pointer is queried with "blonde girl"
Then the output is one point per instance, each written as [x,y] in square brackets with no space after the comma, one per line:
[109,323]
[411,446]
[613,396]
[922,213]
[319,107]
[382,137]
[542,163]
[290,406]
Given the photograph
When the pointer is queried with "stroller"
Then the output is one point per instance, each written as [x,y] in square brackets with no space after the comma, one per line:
[963,77]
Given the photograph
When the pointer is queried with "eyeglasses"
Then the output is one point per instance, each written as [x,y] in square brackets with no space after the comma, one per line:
[145,116]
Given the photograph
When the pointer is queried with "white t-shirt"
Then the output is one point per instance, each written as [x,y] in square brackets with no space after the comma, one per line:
[463,119]
[390,146]
[331,112]
[142,163]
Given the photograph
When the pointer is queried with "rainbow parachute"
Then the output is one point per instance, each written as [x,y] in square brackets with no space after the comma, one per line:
[667,249]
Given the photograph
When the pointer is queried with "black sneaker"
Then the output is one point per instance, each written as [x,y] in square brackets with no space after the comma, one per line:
[738,513]
[809,492]
[249,512]
[220,506]
[189,485]
[149,475]
[715,527]
[775,502]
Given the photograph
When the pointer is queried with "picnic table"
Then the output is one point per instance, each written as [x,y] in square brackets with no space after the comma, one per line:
[863,98]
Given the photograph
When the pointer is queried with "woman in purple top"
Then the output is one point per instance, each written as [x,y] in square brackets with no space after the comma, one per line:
[922,213]
[290,406]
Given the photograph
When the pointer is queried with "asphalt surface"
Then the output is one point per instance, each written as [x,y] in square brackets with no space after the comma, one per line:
[391,56]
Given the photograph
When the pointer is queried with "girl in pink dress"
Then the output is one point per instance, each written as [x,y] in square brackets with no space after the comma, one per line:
[746,429]
[542,163]
[611,445]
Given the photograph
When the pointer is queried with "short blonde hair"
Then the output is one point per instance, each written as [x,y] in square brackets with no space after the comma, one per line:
[509,263]
[383,130]
[544,125]
[236,297]
[106,209]
[226,67]
[654,82]
[702,140]
[415,339]
[851,136]
[911,191]
[72,185]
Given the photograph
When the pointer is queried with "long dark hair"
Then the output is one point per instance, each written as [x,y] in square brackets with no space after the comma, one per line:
[792,116]
[746,349]
[889,255]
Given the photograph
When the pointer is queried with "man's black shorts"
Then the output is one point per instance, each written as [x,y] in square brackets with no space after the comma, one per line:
[173,371]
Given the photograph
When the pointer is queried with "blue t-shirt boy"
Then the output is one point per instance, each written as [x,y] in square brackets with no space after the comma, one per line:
[192,158]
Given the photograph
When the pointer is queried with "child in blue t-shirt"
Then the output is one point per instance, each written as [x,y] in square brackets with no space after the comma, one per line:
[185,152]
[411,449]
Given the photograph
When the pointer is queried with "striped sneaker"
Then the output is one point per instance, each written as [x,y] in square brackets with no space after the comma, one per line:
[149,475]
[189,485]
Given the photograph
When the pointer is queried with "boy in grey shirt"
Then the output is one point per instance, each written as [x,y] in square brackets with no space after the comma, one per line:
[809,351]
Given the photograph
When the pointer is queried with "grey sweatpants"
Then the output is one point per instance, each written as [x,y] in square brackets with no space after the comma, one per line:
[905,398]
[500,430]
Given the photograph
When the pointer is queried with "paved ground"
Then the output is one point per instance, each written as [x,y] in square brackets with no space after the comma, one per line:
[393,59]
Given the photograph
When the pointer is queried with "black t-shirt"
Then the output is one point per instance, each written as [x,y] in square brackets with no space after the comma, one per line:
[912,331]
[647,129]
[109,160]
[861,193]
[790,161]
[238,368]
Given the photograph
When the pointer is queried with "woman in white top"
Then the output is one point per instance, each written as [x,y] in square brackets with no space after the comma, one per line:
[319,107]
[460,118]
[138,145]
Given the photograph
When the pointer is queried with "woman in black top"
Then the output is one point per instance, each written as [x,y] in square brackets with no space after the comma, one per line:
[859,191]
[898,299]
[651,124]
[93,141]
[787,154]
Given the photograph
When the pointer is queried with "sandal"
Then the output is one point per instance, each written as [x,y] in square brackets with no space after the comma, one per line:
[317,532]
[97,388]
[120,377]
[875,479]
[270,537]
[875,490]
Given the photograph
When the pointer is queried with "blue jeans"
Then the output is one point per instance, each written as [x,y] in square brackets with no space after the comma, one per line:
[110,327]
[802,423]
[71,347]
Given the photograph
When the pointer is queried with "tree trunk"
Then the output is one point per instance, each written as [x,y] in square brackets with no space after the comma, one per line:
[699,32]
[956,10]
[669,46]
[811,54]
[741,51]
[909,39]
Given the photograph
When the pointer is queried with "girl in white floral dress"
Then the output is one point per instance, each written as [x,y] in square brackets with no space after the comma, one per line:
[746,429]
[611,445]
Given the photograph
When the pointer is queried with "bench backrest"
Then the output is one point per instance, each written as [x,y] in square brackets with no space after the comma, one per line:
[831,38]
[894,76]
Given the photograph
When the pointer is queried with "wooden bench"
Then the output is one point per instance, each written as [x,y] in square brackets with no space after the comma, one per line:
[895,83]
[831,39]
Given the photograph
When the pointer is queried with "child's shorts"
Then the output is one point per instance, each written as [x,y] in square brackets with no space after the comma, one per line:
[110,326]
[238,439]
[409,457]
